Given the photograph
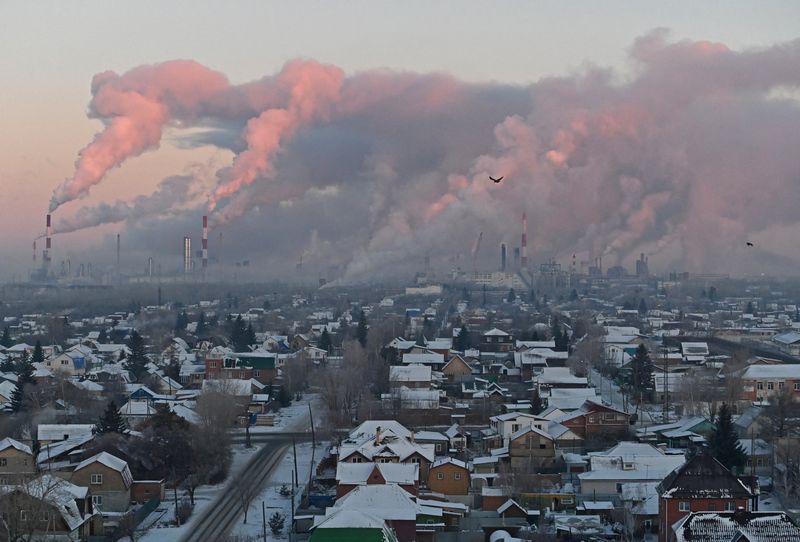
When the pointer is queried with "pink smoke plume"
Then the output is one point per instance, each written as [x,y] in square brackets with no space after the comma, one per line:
[312,90]
[135,108]
[689,149]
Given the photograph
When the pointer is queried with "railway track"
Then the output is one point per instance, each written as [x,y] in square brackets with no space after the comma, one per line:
[221,516]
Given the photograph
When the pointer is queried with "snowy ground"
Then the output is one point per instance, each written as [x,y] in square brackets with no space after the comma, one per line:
[271,499]
[160,525]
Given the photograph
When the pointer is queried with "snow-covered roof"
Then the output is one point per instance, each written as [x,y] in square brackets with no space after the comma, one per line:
[393,473]
[59,493]
[112,462]
[389,502]
[757,372]
[738,525]
[11,443]
[429,358]
[449,461]
[64,431]
[410,373]
[495,332]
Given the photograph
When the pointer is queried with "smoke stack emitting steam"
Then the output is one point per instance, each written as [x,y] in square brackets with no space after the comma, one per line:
[524,244]
[205,245]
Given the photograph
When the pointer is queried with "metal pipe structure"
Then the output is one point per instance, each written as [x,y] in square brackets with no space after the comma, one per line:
[524,245]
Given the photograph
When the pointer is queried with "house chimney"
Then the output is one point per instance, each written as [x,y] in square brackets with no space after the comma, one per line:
[378,436]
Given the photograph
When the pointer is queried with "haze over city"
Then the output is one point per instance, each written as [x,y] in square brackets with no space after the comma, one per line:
[358,138]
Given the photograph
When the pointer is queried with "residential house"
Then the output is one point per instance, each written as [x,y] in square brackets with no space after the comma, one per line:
[702,484]
[683,433]
[449,476]
[595,419]
[532,450]
[385,441]
[69,363]
[759,456]
[109,479]
[640,504]
[16,462]
[759,382]
[410,376]
[694,352]
[505,425]
[456,369]
[625,463]
[50,508]
[351,475]
[496,340]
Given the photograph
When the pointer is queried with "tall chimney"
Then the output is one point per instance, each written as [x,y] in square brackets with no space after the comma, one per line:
[34,252]
[47,245]
[516,258]
[187,255]
[205,245]
[503,257]
[150,268]
[118,254]
[524,245]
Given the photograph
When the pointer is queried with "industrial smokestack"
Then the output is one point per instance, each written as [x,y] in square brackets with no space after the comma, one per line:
[516,258]
[524,240]
[205,245]
[47,244]
[187,255]
[150,268]
[503,257]
[34,252]
[118,254]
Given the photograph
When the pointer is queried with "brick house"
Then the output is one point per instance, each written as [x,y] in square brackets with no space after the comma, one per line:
[702,484]
[16,462]
[760,381]
[596,419]
[449,476]
[109,478]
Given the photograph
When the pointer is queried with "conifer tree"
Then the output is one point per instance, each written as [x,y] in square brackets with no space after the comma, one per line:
[724,442]
[24,372]
[325,340]
[201,329]
[111,421]
[511,296]
[536,402]
[6,339]
[38,353]
[641,377]
[102,338]
[137,361]
[361,331]
[249,336]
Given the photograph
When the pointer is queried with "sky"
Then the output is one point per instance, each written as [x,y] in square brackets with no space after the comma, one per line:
[50,52]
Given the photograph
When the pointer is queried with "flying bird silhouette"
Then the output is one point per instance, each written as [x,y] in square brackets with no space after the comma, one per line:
[750,244]
[497,180]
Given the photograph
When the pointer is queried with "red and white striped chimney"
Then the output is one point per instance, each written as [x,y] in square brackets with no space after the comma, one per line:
[48,242]
[205,243]
[524,240]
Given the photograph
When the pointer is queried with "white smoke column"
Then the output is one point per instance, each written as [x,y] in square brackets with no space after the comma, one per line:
[169,195]
[135,108]
[312,90]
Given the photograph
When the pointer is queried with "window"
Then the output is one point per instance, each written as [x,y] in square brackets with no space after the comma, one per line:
[97,479]
[457,476]
[3,462]
[780,385]
[44,515]
[683,506]
[415,459]
[23,515]
[212,364]
[3,481]
[628,466]
[619,488]
[760,385]
[797,386]
[97,500]
[543,446]
[357,460]
[64,362]
[712,507]
[770,385]
[257,373]
[729,506]
[440,476]
[609,416]
[439,447]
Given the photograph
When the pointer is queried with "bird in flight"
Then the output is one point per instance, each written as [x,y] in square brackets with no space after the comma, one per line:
[750,244]
[497,180]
